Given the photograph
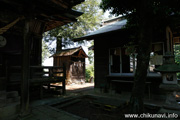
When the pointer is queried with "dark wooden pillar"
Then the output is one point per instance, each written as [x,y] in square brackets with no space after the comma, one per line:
[25,70]
[3,74]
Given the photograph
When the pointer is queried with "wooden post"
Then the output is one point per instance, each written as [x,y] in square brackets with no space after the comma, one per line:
[41,91]
[64,80]
[25,71]
[134,66]
[50,76]
[169,39]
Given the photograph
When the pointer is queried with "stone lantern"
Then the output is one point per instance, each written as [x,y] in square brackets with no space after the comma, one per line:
[169,82]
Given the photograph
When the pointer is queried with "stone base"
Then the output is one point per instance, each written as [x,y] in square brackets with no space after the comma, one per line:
[9,105]
[9,111]
[170,87]
[172,107]
[171,102]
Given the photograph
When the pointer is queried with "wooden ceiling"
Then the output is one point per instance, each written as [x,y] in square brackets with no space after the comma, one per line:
[52,13]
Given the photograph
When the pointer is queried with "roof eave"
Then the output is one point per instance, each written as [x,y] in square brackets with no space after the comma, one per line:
[92,37]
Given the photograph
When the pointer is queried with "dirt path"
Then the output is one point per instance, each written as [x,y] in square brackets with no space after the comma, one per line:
[79,86]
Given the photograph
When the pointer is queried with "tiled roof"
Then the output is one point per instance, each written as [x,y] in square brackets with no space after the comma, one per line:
[106,29]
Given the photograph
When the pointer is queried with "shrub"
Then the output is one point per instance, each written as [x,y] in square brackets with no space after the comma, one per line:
[89,73]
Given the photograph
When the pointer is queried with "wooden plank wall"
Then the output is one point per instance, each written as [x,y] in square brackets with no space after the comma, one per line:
[101,55]
[101,58]
[100,62]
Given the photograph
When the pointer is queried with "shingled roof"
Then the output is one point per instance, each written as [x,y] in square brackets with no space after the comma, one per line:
[75,52]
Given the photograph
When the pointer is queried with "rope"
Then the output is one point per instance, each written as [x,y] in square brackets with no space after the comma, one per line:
[5,28]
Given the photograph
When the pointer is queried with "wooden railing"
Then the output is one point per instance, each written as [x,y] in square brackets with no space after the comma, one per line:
[40,75]
[45,75]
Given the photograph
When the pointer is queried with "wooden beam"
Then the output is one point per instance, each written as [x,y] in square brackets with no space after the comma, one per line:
[12,2]
[61,3]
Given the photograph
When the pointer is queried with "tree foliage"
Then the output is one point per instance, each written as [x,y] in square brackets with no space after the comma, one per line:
[45,52]
[145,17]
[177,57]
[177,54]
[91,53]
[158,7]
[87,22]
[90,68]
[89,73]
[159,11]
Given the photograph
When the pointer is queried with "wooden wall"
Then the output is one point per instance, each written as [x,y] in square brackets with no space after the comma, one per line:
[101,55]
[11,53]
[101,58]
[100,62]
[77,69]
[69,63]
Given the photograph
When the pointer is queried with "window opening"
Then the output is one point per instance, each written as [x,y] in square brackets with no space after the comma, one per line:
[115,61]
[133,62]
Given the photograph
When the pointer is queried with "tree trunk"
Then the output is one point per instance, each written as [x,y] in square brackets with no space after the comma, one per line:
[58,44]
[144,42]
